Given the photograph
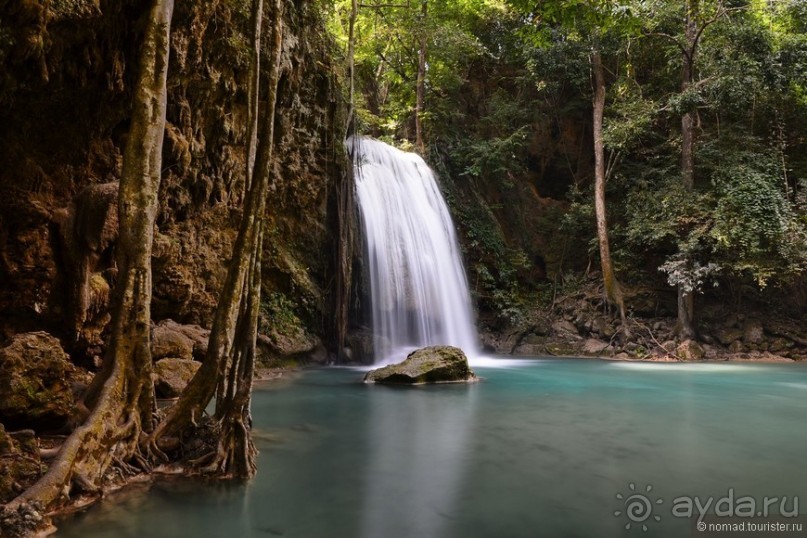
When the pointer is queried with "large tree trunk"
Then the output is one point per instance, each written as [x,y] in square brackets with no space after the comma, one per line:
[231,307]
[613,291]
[125,405]
[420,85]
[686,305]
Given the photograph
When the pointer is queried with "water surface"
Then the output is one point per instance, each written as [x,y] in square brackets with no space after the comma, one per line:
[539,448]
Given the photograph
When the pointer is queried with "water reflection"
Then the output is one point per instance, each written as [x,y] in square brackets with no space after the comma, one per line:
[418,446]
[539,449]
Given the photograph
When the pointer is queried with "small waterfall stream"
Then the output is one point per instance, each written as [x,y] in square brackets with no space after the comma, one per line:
[418,286]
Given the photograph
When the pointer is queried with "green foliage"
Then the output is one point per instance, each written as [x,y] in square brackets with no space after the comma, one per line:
[505,81]
[277,315]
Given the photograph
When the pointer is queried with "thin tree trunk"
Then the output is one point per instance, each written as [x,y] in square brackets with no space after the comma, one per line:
[686,304]
[191,405]
[350,126]
[613,291]
[345,206]
[125,404]
[253,92]
[420,87]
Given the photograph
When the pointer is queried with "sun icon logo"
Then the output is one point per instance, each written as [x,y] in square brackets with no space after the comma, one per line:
[638,507]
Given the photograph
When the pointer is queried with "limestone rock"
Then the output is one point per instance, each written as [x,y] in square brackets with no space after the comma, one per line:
[565,327]
[435,364]
[603,327]
[35,382]
[728,335]
[690,350]
[668,346]
[173,375]
[197,335]
[527,349]
[736,347]
[167,340]
[594,347]
[292,342]
[753,333]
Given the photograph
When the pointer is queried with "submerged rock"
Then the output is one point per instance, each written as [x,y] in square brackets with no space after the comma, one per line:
[434,364]
[173,375]
[35,382]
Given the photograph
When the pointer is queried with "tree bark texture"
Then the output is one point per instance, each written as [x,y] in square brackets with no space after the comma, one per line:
[202,387]
[613,291]
[253,91]
[125,404]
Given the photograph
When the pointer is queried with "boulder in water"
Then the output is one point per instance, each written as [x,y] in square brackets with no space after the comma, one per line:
[433,364]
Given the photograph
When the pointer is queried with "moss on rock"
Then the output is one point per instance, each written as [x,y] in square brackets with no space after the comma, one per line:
[35,382]
[434,364]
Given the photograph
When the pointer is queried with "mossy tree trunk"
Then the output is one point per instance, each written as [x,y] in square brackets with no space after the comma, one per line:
[229,363]
[125,405]
[613,290]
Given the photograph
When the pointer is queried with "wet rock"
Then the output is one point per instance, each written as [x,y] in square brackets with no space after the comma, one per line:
[690,350]
[753,333]
[171,376]
[434,364]
[35,382]
[360,347]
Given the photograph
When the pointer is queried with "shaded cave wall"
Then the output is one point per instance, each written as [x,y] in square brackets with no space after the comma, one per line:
[66,79]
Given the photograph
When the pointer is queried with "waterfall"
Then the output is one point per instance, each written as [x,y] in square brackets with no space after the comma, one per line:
[418,287]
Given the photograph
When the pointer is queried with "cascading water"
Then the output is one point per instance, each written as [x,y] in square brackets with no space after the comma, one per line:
[418,287]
